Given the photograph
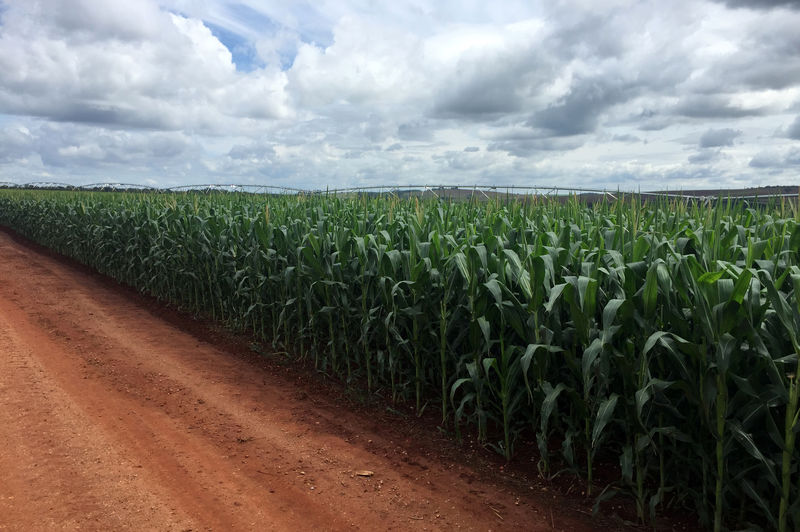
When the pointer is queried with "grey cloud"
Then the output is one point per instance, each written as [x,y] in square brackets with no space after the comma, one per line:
[255,151]
[395,147]
[73,146]
[458,160]
[472,149]
[419,130]
[755,70]
[63,108]
[714,138]
[531,146]
[377,129]
[89,20]
[767,57]
[765,160]
[488,87]
[165,145]
[778,71]
[649,120]
[592,34]
[344,128]
[704,156]
[713,106]
[793,131]
[655,124]
[761,4]
[578,112]
[626,138]
[776,160]
[15,143]
[483,98]
[109,116]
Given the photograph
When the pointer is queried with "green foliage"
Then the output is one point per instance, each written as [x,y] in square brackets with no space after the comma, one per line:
[664,335]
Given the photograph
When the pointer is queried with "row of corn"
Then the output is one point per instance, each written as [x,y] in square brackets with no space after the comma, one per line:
[659,338]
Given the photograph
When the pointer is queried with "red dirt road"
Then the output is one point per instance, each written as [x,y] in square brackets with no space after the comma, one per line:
[115,418]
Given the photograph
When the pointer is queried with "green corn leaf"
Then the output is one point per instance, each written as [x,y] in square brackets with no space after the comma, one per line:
[604,414]
[749,445]
[521,276]
[650,292]
[495,290]
[590,357]
[587,293]
[549,403]
[612,309]
[460,261]
[710,277]
[556,294]
[527,359]
[456,385]
[485,328]
[644,395]
[742,286]
[795,277]
[794,239]
[490,364]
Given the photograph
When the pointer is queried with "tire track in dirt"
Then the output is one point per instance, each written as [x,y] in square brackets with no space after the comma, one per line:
[58,470]
[115,419]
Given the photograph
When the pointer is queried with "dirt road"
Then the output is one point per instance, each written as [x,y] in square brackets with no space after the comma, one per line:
[115,417]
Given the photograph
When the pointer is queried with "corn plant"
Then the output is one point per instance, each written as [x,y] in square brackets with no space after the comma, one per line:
[661,335]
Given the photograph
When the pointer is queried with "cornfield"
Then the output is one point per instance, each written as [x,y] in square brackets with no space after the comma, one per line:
[662,336]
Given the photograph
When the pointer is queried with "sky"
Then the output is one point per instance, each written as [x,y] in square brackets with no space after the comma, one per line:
[615,94]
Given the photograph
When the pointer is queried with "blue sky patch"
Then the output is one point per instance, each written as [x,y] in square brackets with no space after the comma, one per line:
[244,53]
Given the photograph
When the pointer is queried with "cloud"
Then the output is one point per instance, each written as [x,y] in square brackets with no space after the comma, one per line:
[365,63]
[761,4]
[705,156]
[774,159]
[530,146]
[462,161]
[655,124]
[121,64]
[793,131]
[70,146]
[490,81]
[480,98]
[761,55]
[16,143]
[418,130]
[90,20]
[714,106]
[579,111]
[766,160]
[341,93]
[626,138]
[254,152]
[714,138]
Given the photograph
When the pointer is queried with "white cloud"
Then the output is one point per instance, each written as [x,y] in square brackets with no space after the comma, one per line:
[139,67]
[367,63]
